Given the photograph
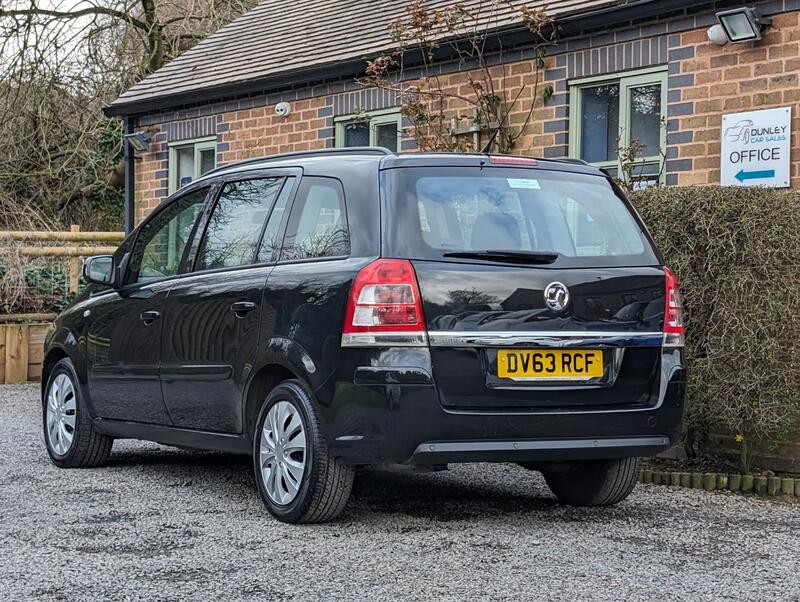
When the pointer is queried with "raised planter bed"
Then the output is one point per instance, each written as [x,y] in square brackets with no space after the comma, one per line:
[712,481]
[21,346]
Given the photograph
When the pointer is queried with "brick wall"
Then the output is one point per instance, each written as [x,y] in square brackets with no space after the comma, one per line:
[708,81]
[704,82]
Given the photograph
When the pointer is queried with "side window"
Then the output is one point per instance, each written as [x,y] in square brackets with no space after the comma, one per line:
[318,221]
[235,226]
[190,159]
[622,117]
[270,242]
[162,241]
[375,128]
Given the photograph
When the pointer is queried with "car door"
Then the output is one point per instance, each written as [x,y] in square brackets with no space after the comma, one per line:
[213,313]
[124,332]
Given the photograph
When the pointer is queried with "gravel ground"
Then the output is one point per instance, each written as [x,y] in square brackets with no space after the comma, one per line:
[164,524]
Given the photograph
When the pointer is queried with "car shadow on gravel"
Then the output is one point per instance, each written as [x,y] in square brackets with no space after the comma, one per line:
[465,493]
[444,497]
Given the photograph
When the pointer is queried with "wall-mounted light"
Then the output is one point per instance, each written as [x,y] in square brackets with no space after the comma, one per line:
[742,24]
[139,141]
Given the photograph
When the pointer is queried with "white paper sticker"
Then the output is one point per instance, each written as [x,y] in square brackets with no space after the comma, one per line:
[528,184]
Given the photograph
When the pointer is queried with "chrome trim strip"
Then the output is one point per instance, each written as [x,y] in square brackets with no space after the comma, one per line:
[385,339]
[467,447]
[444,338]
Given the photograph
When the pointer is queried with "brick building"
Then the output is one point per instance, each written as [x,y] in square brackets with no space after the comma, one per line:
[645,69]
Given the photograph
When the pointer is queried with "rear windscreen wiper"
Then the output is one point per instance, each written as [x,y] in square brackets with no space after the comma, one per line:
[541,257]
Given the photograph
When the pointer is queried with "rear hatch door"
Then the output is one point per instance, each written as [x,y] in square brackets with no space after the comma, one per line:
[540,288]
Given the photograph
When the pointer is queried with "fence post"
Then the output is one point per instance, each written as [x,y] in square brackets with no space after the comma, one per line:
[74,264]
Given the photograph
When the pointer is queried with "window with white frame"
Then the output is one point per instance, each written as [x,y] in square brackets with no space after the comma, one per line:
[190,159]
[373,128]
[620,120]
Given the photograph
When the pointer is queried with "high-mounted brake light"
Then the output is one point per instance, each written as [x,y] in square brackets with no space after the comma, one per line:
[512,161]
[674,332]
[384,308]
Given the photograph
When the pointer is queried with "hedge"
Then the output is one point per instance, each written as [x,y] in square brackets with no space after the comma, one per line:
[737,254]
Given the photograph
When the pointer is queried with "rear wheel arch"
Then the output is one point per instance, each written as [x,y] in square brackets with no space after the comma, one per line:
[262,382]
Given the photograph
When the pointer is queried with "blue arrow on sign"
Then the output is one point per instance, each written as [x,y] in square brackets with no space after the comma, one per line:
[755,175]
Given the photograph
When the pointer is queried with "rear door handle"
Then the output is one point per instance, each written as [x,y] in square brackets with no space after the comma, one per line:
[148,317]
[240,308]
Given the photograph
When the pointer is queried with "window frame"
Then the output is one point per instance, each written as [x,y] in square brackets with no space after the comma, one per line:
[198,144]
[627,81]
[295,173]
[375,118]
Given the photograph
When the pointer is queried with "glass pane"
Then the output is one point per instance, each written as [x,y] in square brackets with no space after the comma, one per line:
[471,209]
[356,133]
[184,165]
[162,241]
[207,160]
[318,224]
[386,135]
[645,175]
[645,111]
[738,26]
[235,225]
[600,123]
[271,241]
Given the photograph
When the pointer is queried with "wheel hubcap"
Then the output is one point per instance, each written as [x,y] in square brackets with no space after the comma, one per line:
[282,452]
[60,414]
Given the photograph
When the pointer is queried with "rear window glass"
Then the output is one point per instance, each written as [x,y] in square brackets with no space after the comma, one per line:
[434,211]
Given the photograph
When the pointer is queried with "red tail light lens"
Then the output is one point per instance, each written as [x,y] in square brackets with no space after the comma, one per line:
[385,307]
[674,333]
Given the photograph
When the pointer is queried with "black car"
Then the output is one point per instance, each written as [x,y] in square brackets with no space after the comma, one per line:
[337,309]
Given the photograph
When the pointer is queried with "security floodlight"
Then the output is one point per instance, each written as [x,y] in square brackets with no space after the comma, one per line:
[742,24]
[139,141]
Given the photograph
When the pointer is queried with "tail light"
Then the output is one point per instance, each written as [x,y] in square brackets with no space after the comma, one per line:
[505,160]
[674,333]
[385,308]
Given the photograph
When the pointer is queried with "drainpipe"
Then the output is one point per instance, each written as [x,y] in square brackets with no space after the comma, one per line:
[129,179]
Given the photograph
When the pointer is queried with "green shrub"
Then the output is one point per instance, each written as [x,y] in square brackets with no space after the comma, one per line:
[33,285]
[737,253]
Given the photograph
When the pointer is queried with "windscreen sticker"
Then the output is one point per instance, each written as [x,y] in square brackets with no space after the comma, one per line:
[527,184]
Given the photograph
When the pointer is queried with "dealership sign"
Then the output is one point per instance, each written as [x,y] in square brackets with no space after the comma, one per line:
[756,148]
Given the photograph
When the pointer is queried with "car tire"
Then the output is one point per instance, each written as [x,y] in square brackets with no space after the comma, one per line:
[316,493]
[595,482]
[71,439]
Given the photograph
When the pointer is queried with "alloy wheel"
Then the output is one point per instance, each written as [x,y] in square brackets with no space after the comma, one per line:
[282,452]
[61,414]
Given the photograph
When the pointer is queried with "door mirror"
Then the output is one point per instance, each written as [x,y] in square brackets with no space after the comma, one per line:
[99,270]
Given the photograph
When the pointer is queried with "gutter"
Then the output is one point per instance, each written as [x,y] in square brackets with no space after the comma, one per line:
[635,10]
[129,215]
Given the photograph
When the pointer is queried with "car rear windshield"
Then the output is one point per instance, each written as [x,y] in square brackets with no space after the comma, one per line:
[435,212]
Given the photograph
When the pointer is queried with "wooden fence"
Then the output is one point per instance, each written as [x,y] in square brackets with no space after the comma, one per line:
[22,335]
[50,244]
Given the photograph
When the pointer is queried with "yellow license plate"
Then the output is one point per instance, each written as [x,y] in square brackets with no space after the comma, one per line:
[543,364]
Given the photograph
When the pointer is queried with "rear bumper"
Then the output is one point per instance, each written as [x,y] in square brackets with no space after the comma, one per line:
[376,412]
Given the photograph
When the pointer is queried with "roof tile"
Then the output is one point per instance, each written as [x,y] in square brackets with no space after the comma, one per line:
[279,37]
